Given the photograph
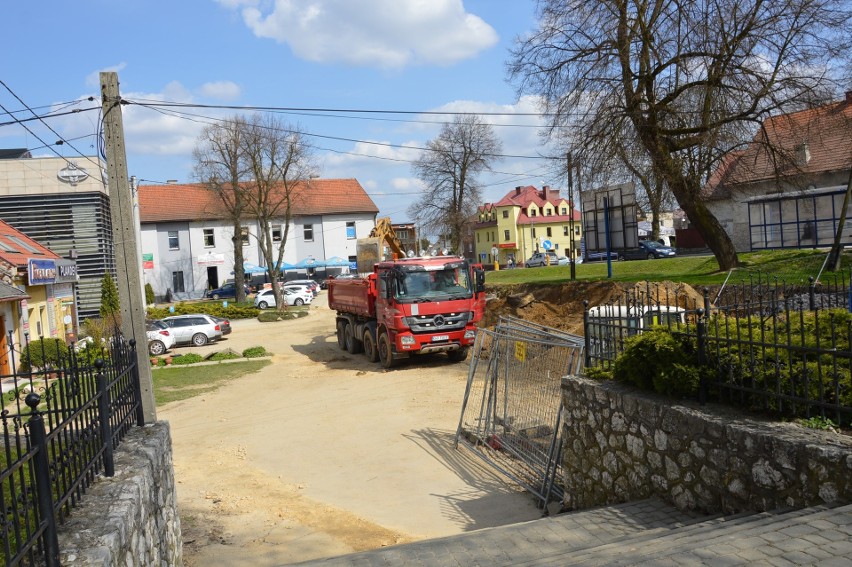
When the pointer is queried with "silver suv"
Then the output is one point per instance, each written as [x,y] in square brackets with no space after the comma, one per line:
[197,329]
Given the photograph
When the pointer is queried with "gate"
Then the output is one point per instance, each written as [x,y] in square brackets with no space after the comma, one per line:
[512,404]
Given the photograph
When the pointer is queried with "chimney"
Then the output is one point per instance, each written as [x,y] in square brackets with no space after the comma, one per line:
[545,191]
[848,97]
[518,190]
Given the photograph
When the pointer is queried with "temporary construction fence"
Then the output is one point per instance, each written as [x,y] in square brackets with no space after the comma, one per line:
[512,404]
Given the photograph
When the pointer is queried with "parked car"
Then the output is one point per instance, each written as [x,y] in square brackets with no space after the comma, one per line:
[228,289]
[601,256]
[541,259]
[300,288]
[310,283]
[160,338]
[266,297]
[197,329]
[225,324]
[649,249]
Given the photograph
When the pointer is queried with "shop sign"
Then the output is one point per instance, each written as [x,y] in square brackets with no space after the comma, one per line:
[147,261]
[511,245]
[41,272]
[66,271]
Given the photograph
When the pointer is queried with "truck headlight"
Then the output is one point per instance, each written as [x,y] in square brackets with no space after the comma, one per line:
[470,334]
[407,340]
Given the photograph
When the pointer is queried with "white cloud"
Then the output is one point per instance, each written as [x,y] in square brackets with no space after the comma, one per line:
[377,33]
[220,90]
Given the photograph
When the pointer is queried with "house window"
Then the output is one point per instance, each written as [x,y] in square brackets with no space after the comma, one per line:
[209,239]
[564,210]
[477,237]
[533,232]
[505,214]
[549,232]
[309,233]
[564,231]
[548,212]
[177,282]
[244,235]
[276,233]
[577,230]
[506,235]
[532,212]
[174,240]
[350,230]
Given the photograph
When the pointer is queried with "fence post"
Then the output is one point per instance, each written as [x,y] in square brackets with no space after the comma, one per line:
[103,414]
[137,388]
[44,491]
[701,331]
[586,338]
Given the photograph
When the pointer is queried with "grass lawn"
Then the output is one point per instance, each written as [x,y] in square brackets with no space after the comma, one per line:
[179,383]
[791,266]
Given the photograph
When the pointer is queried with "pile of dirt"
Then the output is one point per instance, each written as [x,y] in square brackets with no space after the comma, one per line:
[561,306]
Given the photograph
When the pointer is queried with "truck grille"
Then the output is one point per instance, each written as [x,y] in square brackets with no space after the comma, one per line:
[436,323]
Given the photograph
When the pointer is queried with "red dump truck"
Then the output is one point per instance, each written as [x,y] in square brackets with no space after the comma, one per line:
[410,306]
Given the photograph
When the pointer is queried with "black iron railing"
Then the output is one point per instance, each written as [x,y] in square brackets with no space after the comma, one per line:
[61,422]
[769,347]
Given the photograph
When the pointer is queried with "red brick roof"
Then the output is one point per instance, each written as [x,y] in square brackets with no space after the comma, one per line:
[164,203]
[825,131]
[14,247]
[524,196]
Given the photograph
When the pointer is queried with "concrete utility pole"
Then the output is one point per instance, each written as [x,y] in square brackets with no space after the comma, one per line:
[124,238]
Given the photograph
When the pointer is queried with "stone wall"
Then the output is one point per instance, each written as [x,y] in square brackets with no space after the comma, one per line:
[620,445]
[131,518]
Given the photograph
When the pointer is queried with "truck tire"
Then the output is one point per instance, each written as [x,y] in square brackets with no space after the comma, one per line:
[341,334]
[371,350]
[353,345]
[459,355]
[385,351]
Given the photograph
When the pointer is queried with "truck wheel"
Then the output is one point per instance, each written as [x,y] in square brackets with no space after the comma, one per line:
[371,350]
[341,334]
[458,355]
[385,351]
[353,345]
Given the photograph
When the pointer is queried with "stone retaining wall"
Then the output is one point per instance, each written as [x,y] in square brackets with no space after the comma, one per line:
[131,518]
[620,445]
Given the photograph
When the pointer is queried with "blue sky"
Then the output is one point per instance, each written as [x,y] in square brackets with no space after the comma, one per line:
[406,55]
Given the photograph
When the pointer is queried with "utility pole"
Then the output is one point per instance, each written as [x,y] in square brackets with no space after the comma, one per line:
[127,258]
[572,255]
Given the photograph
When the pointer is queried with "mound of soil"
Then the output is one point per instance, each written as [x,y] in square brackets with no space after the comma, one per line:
[561,306]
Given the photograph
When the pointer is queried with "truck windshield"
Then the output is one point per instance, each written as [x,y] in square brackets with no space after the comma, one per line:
[439,285]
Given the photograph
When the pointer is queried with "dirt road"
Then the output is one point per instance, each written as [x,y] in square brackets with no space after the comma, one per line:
[323,453]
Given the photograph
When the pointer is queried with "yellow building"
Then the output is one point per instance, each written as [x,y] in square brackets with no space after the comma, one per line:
[526,220]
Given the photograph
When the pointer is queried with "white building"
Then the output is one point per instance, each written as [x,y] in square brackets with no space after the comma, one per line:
[187,236]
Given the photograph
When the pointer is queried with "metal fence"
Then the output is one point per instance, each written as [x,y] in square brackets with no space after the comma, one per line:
[762,345]
[61,424]
[512,404]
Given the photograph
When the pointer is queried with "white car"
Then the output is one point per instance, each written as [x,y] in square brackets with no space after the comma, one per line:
[311,284]
[266,298]
[160,339]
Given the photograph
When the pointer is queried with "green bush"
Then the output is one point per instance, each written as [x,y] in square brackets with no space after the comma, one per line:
[255,352]
[43,353]
[149,294]
[233,311]
[190,358]
[661,361]
[271,315]
[224,355]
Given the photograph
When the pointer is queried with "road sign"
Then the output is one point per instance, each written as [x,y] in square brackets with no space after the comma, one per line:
[546,244]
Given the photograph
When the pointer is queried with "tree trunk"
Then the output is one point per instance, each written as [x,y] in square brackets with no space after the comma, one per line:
[239,279]
[837,247]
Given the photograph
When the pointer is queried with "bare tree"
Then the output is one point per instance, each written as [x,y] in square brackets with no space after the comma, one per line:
[688,76]
[219,165]
[279,163]
[463,149]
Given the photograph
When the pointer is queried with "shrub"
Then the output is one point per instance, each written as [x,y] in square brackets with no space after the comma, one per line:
[273,315]
[110,305]
[233,311]
[255,352]
[190,358]
[660,361]
[43,353]
[224,355]
[149,294]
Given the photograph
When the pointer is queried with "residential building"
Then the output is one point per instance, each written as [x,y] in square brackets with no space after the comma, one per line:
[406,232]
[187,236]
[63,204]
[524,221]
[786,189]
[36,294]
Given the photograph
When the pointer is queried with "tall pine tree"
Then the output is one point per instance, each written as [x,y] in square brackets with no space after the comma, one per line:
[110,305]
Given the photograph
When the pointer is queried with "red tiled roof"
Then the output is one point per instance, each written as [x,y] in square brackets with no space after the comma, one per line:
[14,253]
[825,131]
[164,203]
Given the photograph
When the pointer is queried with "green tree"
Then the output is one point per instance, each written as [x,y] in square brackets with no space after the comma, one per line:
[110,305]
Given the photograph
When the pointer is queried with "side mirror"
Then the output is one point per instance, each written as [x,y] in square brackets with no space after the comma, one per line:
[480,279]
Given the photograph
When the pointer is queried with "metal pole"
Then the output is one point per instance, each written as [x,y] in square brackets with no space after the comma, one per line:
[571,212]
[103,415]
[42,480]
[606,235]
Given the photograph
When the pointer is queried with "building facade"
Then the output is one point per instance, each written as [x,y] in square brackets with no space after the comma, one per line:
[64,205]
[526,220]
[786,189]
[187,237]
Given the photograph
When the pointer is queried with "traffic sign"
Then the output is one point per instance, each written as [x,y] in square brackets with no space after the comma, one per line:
[546,244]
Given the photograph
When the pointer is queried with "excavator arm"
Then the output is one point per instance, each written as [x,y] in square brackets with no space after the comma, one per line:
[384,231]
